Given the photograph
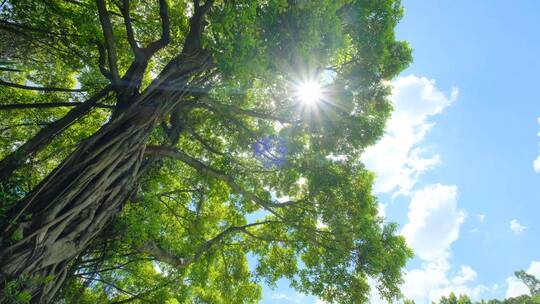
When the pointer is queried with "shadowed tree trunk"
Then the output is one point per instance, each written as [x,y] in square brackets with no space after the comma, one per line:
[78,199]
[54,223]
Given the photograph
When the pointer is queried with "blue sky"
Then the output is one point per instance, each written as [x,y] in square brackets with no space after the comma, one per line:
[455,169]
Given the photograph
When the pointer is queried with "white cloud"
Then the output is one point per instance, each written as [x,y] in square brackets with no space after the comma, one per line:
[465,275]
[515,287]
[294,297]
[280,296]
[517,227]
[434,225]
[374,295]
[397,159]
[534,269]
[434,219]
[381,210]
[421,283]
[434,222]
[434,280]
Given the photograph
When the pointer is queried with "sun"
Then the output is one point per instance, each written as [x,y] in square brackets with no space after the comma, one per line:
[309,92]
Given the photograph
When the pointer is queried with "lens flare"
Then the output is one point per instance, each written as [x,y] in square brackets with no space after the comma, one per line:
[309,92]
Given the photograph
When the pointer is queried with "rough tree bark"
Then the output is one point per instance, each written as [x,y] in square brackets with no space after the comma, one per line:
[57,220]
[76,201]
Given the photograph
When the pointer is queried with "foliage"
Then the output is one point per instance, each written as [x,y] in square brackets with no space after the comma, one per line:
[529,280]
[241,183]
[452,299]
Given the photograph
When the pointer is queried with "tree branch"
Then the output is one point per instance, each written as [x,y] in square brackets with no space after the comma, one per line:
[17,106]
[162,255]
[9,69]
[165,30]
[12,161]
[203,9]
[124,9]
[116,267]
[33,29]
[206,145]
[32,88]
[105,20]
[208,171]
[101,61]
[151,248]
[208,103]
[167,193]
[193,40]
[115,287]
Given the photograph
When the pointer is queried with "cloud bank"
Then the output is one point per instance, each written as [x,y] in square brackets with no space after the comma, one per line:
[434,225]
[397,158]
[434,219]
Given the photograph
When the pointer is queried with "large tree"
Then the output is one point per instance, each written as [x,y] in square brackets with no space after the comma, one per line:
[148,148]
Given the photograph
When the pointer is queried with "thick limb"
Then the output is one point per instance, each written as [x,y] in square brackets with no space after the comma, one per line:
[14,160]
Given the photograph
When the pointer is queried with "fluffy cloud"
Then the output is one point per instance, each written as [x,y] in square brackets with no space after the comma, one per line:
[434,280]
[292,297]
[381,208]
[434,222]
[516,287]
[517,227]
[434,219]
[396,158]
[465,275]
[280,296]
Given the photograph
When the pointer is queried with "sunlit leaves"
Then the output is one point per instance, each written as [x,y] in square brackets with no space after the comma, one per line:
[243,122]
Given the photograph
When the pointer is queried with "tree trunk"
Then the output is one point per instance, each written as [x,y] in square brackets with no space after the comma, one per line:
[71,207]
[54,223]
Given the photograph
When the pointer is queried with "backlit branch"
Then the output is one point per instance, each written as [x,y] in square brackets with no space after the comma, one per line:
[124,9]
[102,61]
[207,102]
[135,296]
[17,106]
[165,30]
[154,46]
[165,256]
[32,88]
[12,161]
[9,69]
[206,145]
[209,171]
[5,23]
[196,24]
[105,20]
